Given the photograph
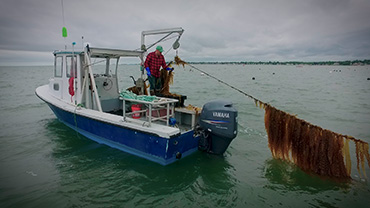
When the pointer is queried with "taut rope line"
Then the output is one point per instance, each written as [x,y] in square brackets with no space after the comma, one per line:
[310,147]
[225,83]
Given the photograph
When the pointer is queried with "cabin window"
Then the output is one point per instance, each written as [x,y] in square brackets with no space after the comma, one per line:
[58,67]
[71,66]
[104,66]
[56,86]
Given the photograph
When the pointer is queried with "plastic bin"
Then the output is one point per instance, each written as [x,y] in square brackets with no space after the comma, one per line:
[134,108]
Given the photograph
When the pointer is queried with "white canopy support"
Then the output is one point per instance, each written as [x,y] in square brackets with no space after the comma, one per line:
[169,31]
[92,79]
[113,53]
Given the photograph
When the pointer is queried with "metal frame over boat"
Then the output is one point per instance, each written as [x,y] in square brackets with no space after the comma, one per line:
[90,103]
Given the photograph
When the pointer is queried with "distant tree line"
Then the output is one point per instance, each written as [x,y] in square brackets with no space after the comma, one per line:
[342,63]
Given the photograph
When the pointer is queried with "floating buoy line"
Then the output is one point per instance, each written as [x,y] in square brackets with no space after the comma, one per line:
[310,147]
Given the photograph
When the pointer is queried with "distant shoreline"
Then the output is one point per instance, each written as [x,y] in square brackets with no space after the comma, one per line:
[294,63]
[330,63]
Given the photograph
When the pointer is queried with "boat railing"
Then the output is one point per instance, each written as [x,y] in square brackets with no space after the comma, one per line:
[160,105]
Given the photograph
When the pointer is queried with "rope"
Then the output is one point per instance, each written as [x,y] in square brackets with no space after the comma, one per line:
[75,119]
[130,95]
[167,51]
[258,102]
[227,84]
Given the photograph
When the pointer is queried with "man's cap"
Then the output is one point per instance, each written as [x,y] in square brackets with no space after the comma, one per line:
[159,48]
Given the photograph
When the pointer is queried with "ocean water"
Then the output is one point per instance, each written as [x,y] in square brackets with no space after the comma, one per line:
[43,163]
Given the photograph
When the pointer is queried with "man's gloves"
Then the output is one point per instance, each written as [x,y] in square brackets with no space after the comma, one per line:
[148,71]
[149,74]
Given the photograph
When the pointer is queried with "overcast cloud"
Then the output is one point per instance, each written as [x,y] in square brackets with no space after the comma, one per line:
[215,30]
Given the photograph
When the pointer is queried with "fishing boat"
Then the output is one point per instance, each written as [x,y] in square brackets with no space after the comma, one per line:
[84,95]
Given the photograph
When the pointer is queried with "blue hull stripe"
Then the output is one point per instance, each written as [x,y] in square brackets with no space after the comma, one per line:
[145,145]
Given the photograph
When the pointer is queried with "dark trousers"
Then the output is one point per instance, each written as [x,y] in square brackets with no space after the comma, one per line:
[155,83]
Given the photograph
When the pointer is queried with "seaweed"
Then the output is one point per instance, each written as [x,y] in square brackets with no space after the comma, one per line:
[178,61]
[312,148]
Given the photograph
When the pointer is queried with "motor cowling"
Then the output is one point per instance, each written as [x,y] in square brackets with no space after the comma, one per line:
[218,124]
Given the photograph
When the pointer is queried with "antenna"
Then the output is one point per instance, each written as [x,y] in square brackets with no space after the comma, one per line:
[64,29]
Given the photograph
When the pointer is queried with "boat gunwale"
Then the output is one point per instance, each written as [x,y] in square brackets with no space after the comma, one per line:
[105,120]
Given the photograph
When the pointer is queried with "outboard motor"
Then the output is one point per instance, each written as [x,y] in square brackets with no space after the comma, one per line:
[217,126]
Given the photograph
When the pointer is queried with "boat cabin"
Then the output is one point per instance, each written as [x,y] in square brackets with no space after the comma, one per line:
[90,79]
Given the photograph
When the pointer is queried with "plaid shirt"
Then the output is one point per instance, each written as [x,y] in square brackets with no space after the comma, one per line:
[154,63]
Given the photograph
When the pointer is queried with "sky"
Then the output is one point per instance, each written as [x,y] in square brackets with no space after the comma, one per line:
[215,30]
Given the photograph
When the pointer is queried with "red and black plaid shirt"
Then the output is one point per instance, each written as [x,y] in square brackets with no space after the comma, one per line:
[154,63]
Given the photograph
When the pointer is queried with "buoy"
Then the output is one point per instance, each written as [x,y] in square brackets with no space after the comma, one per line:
[368,78]
[178,155]
[253,78]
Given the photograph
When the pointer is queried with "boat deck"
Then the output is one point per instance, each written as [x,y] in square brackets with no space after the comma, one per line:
[186,119]
[159,112]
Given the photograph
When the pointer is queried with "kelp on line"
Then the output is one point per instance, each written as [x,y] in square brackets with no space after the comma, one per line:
[310,147]
[167,80]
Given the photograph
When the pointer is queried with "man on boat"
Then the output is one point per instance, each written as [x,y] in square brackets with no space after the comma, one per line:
[153,64]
